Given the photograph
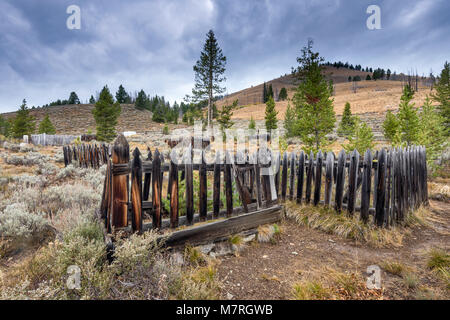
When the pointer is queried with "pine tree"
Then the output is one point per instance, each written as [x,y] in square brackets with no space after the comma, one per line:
[270,92]
[252,124]
[289,121]
[264,93]
[106,113]
[408,119]
[368,77]
[312,101]
[391,128]
[209,71]
[347,124]
[271,115]
[92,100]
[224,118]
[23,123]
[5,126]
[142,101]
[283,94]
[46,126]
[122,96]
[361,138]
[431,132]
[442,96]
[73,98]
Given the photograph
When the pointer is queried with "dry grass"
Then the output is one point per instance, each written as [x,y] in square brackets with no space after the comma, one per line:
[439,191]
[393,267]
[371,96]
[351,227]
[332,284]
[439,263]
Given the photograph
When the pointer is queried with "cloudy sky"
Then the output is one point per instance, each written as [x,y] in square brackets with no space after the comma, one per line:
[152,45]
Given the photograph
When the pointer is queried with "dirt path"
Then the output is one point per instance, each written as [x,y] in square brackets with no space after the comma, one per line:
[268,271]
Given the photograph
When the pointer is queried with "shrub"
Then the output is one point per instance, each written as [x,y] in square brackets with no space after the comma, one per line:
[17,223]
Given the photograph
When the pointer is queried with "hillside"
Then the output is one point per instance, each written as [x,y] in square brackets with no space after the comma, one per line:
[78,119]
[253,95]
[370,97]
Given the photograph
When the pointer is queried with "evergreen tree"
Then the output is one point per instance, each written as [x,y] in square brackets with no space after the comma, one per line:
[122,96]
[73,98]
[92,100]
[270,91]
[368,77]
[142,101]
[209,71]
[289,121]
[224,118]
[347,124]
[252,124]
[106,113]
[408,119]
[283,94]
[442,96]
[312,101]
[391,128]
[5,126]
[264,93]
[271,115]
[361,138]
[388,74]
[431,132]
[46,126]
[23,123]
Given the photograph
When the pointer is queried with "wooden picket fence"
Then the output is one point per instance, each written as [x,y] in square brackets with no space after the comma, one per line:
[52,139]
[398,177]
[86,155]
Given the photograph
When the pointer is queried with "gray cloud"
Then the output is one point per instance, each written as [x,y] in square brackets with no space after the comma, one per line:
[152,45]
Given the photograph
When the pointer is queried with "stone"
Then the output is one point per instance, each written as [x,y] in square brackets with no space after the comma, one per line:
[229,296]
[177,258]
[206,248]
[250,238]
[223,249]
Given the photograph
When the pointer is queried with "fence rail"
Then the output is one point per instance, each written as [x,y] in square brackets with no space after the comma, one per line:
[384,186]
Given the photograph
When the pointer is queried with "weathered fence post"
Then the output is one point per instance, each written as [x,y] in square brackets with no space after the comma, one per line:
[156,190]
[381,188]
[147,178]
[120,155]
[292,177]
[329,178]
[309,175]
[173,194]
[340,180]
[284,177]
[136,191]
[216,191]
[301,170]
[318,182]
[228,184]
[189,180]
[366,184]
[203,189]
[352,181]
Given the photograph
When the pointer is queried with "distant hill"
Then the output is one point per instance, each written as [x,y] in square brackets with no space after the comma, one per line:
[78,118]
[253,95]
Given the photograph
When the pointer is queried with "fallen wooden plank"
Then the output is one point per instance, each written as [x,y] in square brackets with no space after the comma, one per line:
[218,229]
